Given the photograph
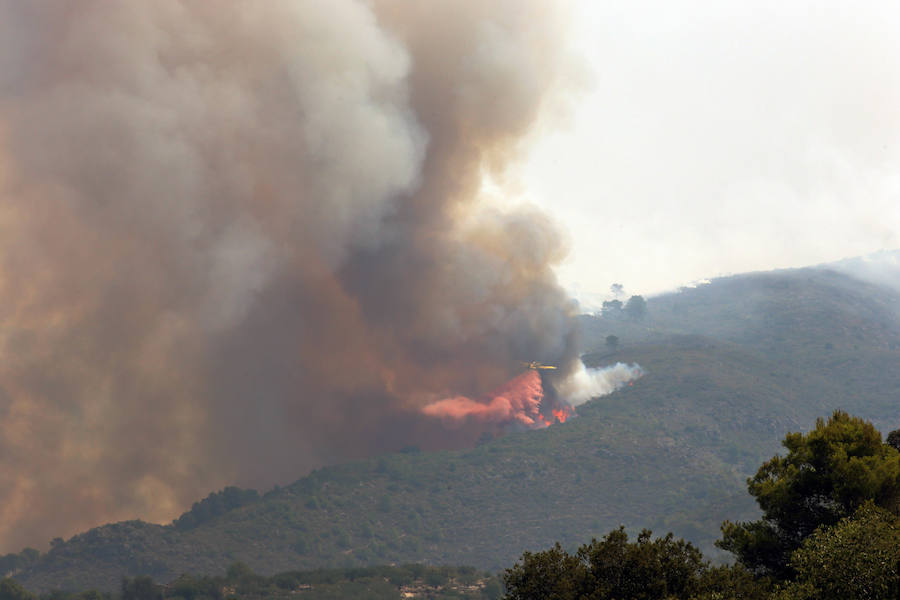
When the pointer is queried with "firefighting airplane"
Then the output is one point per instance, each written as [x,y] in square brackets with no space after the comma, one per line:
[536,365]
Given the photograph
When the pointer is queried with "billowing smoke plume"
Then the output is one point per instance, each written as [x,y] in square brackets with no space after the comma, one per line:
[242,239]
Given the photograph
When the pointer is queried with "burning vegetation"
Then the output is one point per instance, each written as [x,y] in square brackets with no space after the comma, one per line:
[522,400]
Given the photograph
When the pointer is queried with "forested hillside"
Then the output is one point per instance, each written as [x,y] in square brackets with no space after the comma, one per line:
[729,368]
[829,531]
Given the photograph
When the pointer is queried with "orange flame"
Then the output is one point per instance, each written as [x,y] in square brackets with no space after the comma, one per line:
[562,414]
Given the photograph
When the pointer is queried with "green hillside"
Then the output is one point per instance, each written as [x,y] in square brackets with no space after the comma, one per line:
[730,368]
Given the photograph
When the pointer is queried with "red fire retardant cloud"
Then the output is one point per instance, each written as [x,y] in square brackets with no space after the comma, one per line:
[516,401]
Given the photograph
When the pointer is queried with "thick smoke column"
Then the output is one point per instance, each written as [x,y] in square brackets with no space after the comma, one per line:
[239,240]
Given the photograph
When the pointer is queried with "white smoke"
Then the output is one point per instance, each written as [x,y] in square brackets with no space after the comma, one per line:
[584,384]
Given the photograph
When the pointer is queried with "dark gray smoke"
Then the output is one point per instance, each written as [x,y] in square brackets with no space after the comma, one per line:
[242,239]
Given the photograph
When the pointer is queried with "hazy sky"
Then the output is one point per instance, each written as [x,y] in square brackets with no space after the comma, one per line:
[722,137]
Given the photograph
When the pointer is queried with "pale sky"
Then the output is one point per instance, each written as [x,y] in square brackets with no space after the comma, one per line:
[723,137]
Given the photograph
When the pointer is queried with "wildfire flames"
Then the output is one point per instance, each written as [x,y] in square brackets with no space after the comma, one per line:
[517,401]
[561,414]
[522,400]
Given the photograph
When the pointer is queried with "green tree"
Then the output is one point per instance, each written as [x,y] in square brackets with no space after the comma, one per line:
[732,582]
[893,439]
[10,563]
[649,568]
[188,587]
[493,590]
[551,574]
[238,571]
[243,579]
[612,342]
[857,558]
[636,307]
[612,568]
[612,308]
[140,588]
[12,590]
[825,476]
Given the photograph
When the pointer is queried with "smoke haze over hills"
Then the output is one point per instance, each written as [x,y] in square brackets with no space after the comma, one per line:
[240,240]
[725,137]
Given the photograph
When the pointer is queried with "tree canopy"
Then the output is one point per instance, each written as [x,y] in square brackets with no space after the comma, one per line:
[612,342]
[612,308]
[215,504]
[859,557]
[825,476]
[662,568]
[636,307]
[893,439]
[11,590]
